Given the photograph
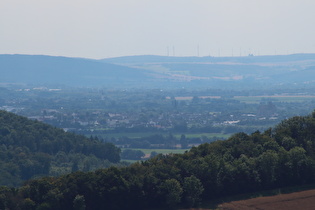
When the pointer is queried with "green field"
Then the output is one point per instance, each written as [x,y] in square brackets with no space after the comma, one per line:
[208,135]
[129,135]
[163,151]
[147,152]
[288,99]
[159,151]
[177,135]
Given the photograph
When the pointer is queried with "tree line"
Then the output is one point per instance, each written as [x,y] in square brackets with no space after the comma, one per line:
[31,148]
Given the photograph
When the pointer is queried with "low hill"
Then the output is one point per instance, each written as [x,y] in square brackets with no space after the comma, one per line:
[160,71]
[233,72]
[279,157]
[78,72]
[144,59]
[30,148]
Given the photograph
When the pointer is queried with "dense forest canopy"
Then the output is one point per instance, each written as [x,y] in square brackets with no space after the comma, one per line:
[31,148]
[278,157]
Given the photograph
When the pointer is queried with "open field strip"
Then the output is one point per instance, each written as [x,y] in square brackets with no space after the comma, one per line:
[177,135]
[160,151]
[255,99]
[164,151]
[208,135]
[183,98]
[280,98]
[147,152]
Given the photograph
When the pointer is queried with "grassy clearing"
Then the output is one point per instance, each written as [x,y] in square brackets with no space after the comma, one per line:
[147,152]
[159,151]
[129,161]
[208,135]
[129,135]
[164,151]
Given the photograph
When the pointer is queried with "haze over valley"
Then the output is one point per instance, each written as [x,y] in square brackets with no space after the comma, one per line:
[157,105]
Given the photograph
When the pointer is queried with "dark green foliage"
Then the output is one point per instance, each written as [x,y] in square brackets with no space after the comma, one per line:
[183,141]
[193,190]
[79,202]
[153,154]
[244,163]
[172,191]
[132,154]
[30,148]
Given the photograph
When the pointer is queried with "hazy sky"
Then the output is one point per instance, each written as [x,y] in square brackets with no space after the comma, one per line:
[110,28]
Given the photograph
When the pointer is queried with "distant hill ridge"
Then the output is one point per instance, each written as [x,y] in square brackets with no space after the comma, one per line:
[40,69]
[149,71]
[238,59]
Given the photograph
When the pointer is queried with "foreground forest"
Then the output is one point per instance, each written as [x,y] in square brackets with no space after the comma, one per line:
[278,157]
[31,149]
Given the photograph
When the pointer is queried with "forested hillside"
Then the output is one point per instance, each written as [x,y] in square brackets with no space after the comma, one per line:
[30,148]
[279,157]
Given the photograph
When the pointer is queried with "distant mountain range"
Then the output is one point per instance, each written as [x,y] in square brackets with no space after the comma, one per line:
[151,71]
